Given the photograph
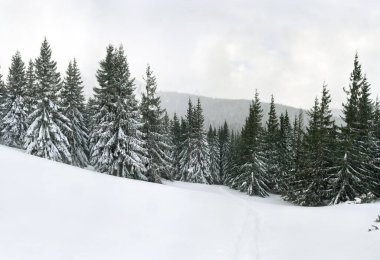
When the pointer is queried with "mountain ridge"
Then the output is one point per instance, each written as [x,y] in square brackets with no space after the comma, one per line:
[218,110]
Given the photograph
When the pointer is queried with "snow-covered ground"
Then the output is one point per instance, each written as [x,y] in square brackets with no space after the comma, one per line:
[54,211]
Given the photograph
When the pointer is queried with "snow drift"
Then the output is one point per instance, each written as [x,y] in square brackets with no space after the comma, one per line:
[50,210]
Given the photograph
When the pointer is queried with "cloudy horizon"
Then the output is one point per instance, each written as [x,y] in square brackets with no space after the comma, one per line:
[220,49]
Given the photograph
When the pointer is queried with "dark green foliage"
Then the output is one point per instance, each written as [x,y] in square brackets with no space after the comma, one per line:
[355,173]
[31,97]
[284,151]
[176,137]
[48,79]
[252,177]
[73,107]
[117,147]
[2,95]
[272,151]
[156,133]
[45,136]
[194,156]
[311,184]
[232,170]
[14,120]
[213,143]
[224,151]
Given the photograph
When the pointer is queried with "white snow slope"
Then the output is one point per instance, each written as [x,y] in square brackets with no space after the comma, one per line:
[54,211]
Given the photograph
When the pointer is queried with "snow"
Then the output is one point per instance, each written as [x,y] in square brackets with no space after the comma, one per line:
[50,210]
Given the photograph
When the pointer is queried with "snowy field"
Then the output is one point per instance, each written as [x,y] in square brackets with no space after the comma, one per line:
[52,211]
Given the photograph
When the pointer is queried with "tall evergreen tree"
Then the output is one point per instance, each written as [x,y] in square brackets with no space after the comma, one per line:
[232,170]
[213,143]
[73,107]
[14,122]
[176,136]
[294,155]
[252,176]
[45,136]
[307,176]
[376,152]
[194,157]
[224,151]
[318,155]
[353,176]
[31,97]
[2,95]
[156,137]
[272,143]
[367,140]
[284,153]
[117,147]
[187,137]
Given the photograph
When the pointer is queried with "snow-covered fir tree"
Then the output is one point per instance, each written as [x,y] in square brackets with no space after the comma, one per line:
[272,150]
[73,107]
[14,122]
[213,144]
[45,136]
[31,97]
[2,95]
[232,169]
[91,110]
[186,146]
[284,154]
[253,178]
[117,145]
[156,135]
[317,158]
[176,140]
[224,151]
[355,176]
[376,152]
[194,156]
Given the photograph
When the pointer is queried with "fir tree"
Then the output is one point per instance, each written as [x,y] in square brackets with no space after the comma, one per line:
[2,95]
[156,136]
[187,137]
[307,176]
[45,136]
[91,110]
[291,163]
[376,152]
[354,174]
[117,147]
[31,97]
[176,136]
[252,176]
[224,151]
[232,170]
[14,122]
[284,153]
[272,148]
[194,157]
[213,143]
[73,107]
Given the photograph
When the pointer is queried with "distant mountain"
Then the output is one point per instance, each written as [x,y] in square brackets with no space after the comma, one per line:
[217,110]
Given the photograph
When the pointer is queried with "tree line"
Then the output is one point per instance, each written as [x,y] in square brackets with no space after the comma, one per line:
[117,134]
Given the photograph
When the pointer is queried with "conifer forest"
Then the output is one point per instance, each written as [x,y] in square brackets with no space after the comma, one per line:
[309,160]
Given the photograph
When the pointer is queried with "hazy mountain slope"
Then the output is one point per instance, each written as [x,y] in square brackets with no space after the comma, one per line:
[216,110]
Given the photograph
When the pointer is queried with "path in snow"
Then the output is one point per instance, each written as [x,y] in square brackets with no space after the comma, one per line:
[247,246]
[274,229]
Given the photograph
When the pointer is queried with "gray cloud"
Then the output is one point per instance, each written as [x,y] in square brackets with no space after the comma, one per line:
[215,48]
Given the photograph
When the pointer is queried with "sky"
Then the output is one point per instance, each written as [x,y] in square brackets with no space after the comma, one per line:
[221,48]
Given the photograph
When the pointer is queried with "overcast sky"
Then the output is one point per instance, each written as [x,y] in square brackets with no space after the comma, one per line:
[215,48]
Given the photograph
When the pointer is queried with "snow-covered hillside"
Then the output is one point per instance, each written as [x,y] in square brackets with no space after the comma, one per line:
[51,211]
